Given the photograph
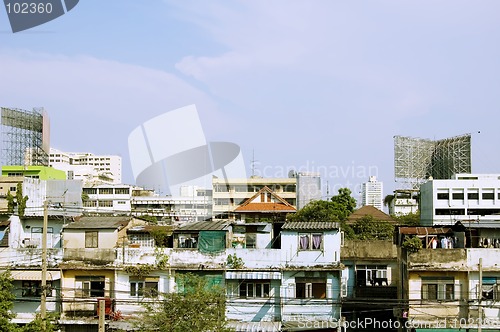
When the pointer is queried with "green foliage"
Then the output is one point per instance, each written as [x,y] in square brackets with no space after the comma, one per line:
[151,219]
[36,324]
[235,262]
[196,308]
[21,200]
[388,199]
[6,303]
[161,236]
[411,219]
[337,209]
[139,270]
[412,244]
[367,228]
[345,203]
[161,259]
[85,196]
[143,270]
[10,202]
[316,211]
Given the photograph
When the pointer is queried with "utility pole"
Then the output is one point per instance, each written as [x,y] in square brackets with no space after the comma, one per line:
[43,304]
[479,308]
[102,315]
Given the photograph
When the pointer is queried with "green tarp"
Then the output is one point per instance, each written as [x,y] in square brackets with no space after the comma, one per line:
[211,242]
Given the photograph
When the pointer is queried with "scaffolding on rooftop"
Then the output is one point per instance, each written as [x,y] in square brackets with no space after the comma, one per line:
[24,137]
[417,159]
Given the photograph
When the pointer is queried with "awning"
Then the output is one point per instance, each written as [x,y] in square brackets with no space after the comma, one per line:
[253,275]
[34,275]
[255,326]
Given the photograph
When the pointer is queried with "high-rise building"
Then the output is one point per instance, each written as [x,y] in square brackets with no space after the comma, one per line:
[372,193]
[308,188]
[85,166]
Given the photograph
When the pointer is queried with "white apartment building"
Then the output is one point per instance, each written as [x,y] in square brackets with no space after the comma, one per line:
[372,193]
[88,167]
[405,201]
[473,199]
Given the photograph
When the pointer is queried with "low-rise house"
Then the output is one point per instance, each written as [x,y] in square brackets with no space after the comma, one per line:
[90,251]
[371,275]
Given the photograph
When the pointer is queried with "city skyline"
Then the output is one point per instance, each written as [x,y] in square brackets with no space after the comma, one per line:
[306,86]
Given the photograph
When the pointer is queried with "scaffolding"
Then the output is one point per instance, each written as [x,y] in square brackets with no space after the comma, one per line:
[24,137]
[416,159]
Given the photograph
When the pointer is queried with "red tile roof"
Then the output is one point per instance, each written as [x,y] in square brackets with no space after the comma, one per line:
[265,207]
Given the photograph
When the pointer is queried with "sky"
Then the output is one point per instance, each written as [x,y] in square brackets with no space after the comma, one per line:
[316,85]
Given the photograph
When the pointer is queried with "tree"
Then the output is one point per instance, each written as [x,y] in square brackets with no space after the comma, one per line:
[344,202]
[410,219]
[367,228]
[196,306]
[337,209]
[6,303]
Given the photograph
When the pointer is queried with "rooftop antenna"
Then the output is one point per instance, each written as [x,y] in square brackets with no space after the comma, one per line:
[252,164]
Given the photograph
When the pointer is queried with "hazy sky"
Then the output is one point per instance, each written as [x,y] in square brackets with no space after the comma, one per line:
[310,85]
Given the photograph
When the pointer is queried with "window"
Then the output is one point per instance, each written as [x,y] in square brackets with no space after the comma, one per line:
[371,275]
[473,195]
[488,195]
[458,196]
[310,241]
[90,203]
[106,191]
[121,191]
[12,188]
[90,191]
[89,286]
[105,203]
[438,289]
[144,287]
[490,289]
[443,195]
[188,241]
[251,240]
[36,236]
[257,289]
[33,288]
[310,288]
[91,239]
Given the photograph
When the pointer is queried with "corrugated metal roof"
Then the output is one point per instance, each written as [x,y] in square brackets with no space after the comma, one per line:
[99,223]
[34,275]
[255,326]
[420,230]
[310,225]
[220,225]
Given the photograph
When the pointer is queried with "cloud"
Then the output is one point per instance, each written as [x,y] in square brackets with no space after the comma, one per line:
[93,103]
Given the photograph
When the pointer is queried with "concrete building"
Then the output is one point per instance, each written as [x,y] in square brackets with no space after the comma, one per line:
[85,166]
[308,188]
[372,192]
[448,287]
[404,201]
[371,279]
[473,199]
[125,261]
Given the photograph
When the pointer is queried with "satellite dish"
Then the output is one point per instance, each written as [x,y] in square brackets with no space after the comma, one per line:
[292,174]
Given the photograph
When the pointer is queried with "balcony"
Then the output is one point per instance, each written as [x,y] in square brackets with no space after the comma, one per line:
[438,259]
[90,256]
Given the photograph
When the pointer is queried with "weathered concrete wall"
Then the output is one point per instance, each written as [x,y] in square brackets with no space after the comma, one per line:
[438,259]
[367,249]
[90,256]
